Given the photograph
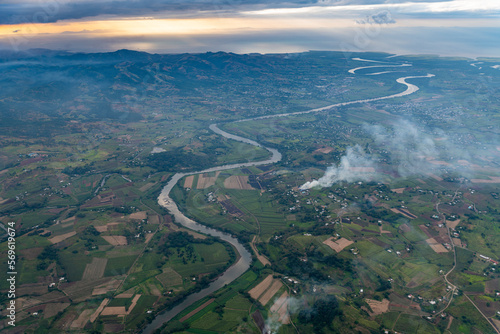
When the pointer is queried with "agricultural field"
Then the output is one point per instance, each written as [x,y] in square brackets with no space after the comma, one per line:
[404,242]
[99,238]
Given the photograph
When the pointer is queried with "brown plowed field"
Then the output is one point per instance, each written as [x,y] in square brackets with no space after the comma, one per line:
[107,227]
[261,287]
[437,247]
[82,319]
[205,181]
[188,182]
[493,179]
[99,310]
[405,213]
[237,182]
[337,245]
[120,310]
[260,257]
[114,310]
[452,224]
[138,215]
[61,237]
[116,240]
[280,306]
[378,307]
[67,220]
[324,150]
[266,297]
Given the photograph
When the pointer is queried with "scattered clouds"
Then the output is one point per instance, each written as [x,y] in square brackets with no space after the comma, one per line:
[56,10]
[481,7]
[372,2]
[383,17]
[50,11]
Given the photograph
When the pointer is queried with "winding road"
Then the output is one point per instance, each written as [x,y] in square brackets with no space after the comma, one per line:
[245,258]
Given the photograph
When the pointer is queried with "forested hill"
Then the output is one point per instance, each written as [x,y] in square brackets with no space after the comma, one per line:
[42,89]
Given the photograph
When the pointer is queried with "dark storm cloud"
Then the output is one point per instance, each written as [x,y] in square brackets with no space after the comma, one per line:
[56,10]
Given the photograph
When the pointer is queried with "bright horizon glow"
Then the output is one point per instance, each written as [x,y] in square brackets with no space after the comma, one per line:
[171,26]
[202,26]
[277,29]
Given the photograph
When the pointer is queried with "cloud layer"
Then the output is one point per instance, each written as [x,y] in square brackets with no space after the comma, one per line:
[17,12]
[57,10]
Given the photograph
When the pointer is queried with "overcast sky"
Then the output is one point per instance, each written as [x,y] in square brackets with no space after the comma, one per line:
[447,27]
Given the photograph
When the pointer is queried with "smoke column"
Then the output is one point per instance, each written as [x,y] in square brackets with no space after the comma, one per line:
[407,148]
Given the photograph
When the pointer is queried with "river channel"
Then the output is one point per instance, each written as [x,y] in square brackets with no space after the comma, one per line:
[245,258]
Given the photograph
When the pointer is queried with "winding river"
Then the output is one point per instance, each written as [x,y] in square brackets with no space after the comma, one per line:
[245,258]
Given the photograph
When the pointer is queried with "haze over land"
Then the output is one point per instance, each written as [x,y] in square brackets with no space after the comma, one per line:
[410,151]
[191,167]
[408,168]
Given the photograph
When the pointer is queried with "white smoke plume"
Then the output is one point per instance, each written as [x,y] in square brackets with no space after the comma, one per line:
[353,167]
[409,148]
[405,147]
[292,304]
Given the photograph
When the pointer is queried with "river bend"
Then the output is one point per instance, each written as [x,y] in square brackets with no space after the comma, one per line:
[245,258]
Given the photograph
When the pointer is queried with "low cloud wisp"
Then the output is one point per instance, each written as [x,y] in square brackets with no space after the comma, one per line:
[383,17]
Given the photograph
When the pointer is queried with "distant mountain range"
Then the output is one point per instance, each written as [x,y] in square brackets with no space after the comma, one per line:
[40,88]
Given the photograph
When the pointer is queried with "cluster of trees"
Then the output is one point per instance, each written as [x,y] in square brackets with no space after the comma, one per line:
[78,170]
[322,313]
[124,209]
[48,255]
[337,262]
[295,265]
[90,236]
[383,285]
[178,159]
[189,252]
[180,240]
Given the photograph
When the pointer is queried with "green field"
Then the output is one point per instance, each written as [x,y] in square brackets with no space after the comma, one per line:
[81,159]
